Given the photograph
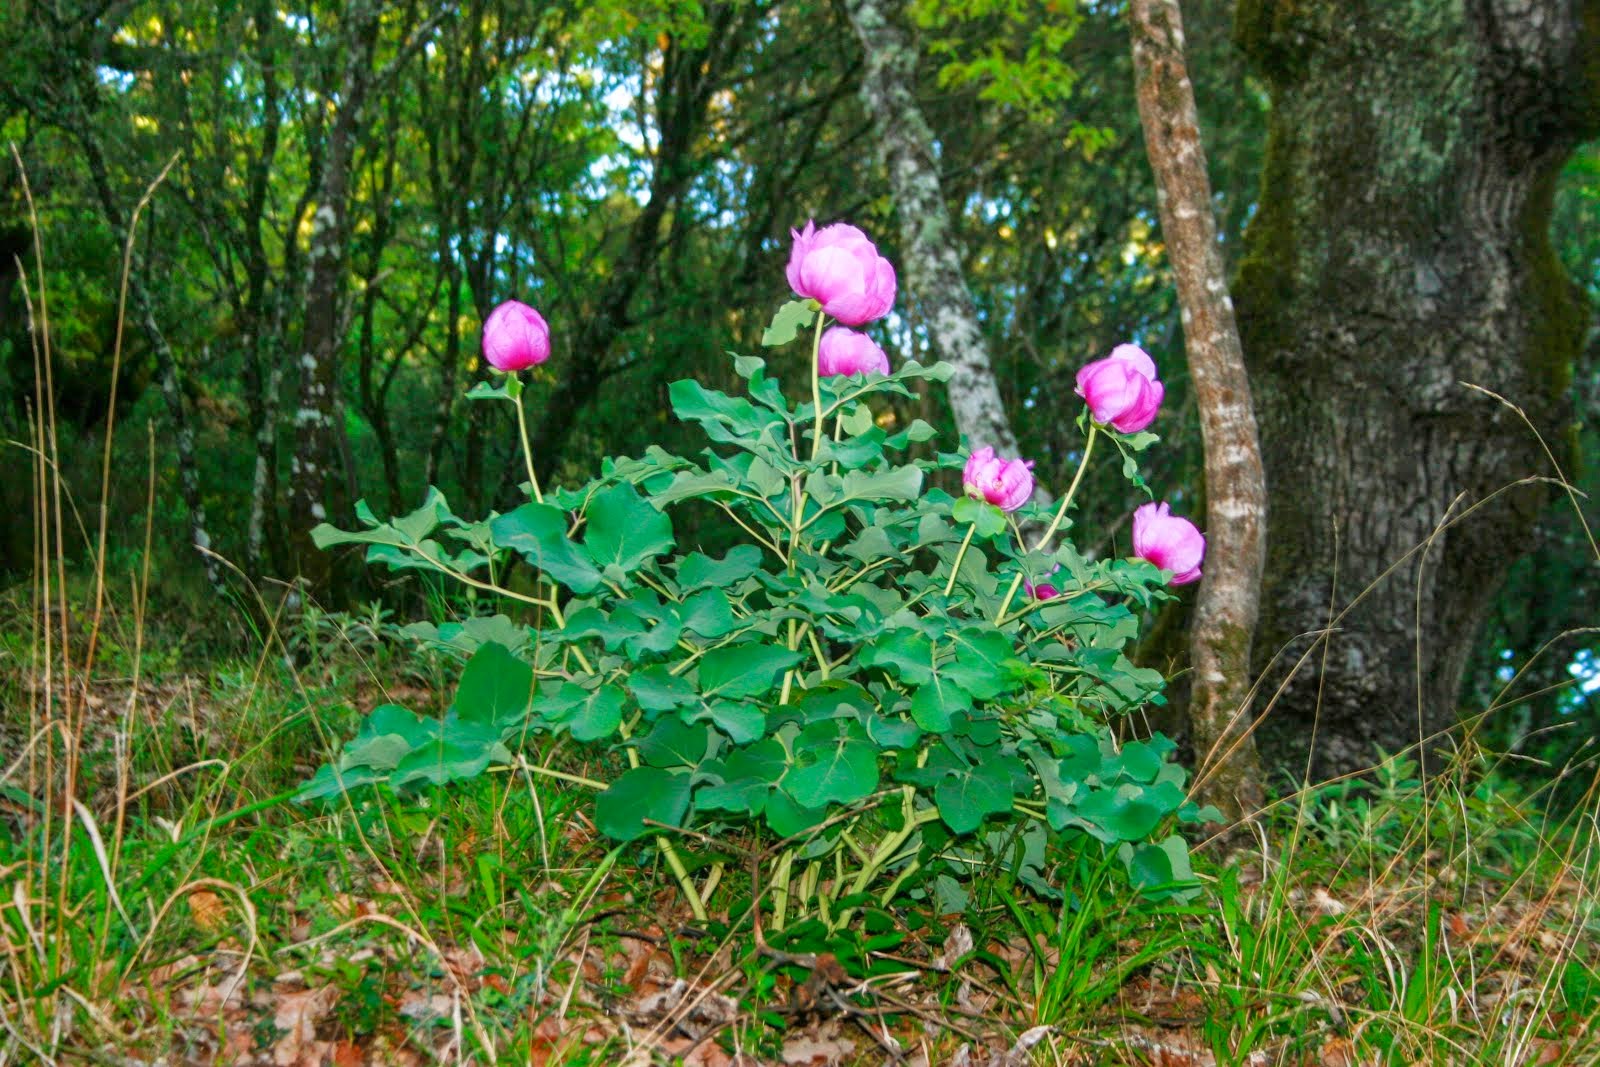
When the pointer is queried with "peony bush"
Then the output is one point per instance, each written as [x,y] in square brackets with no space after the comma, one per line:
[855,698]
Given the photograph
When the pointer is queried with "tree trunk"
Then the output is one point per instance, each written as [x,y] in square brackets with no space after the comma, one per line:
[1236,500]
[144,312]
[931,256]
[1401,248]
[317,438]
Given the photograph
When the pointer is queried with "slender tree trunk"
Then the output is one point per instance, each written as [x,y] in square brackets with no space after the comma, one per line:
[1236,497]
[1401,248]
[317,437]
[931,250]
[449,364]
[166,361]
[264,480]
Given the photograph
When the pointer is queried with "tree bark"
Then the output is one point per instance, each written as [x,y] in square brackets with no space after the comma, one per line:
[1401,248]
[1236,502]
[144,312]
[931,253]
[317,440]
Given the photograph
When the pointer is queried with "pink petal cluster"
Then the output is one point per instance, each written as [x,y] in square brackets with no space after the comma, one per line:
[1170,542]
[1042,591]
[839,268]
[515,337]
[1122,389]
[1005,483]
[844,351]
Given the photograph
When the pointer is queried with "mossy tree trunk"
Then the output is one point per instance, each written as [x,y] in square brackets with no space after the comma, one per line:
[1225,610]
[1400,250]
[931,258]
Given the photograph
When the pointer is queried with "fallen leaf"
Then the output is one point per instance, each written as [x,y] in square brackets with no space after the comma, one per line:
[1337,1052]
[956,945]
[816,1050]
[299,1013]
[209,913]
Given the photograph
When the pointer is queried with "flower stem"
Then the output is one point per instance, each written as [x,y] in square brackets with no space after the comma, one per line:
[1055,523]
[527,452]
[961,552]
[1066,501]
[816,387]
[780,888]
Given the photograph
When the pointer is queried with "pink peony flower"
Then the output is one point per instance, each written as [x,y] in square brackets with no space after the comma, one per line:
[839,268]
[1122,389]
[1170,542]
[844,351]
[515,337]
[1005,483]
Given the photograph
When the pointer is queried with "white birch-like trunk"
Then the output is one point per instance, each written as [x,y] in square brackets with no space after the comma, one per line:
[931,263]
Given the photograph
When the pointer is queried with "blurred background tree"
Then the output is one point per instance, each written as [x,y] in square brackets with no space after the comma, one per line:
[356,187]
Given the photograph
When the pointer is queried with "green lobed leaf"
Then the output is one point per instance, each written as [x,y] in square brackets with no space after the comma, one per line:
[984,662]
[990,520]
[539,533]
[907,652]
[599,716]
[672,742]
[449,759]
[936,702]
[746,776]
[787,818]
[625,530]
[788,321]
[966,797]
[640,794]
[744,670]
[496,688]
[709,614]
[698,571]
[837,771]
[725,419]
[491,390]
[743,723]
[656,688]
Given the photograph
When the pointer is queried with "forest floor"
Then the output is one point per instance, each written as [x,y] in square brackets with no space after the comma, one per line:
[190,911]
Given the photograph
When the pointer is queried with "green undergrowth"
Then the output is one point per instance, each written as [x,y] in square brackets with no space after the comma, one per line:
[1380,920]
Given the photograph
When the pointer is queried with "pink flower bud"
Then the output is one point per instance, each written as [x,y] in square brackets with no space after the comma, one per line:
[1122,389]
[1005,483]
[839,268]
[844,351]
[1043,590]
[515,337]
[1170,542]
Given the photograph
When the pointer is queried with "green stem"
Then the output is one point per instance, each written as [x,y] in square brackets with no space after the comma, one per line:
[960,554]
[527,451]
[562,776]
[1055,523]
[1066,501]
[780,888]
[816,387]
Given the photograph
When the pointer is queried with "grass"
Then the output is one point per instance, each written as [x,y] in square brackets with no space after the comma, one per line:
[183,906]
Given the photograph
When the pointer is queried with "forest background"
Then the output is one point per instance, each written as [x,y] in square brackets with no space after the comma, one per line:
[347,192]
